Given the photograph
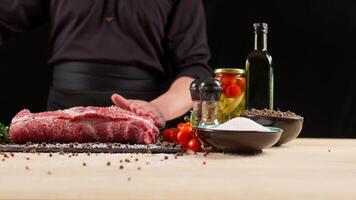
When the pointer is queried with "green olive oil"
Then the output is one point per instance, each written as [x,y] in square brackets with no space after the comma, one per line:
[259,71]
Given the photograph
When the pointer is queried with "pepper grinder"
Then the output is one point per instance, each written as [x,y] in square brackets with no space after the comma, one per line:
[197,112]
[210,92]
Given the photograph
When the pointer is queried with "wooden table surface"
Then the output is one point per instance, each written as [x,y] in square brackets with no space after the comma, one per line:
[302,169]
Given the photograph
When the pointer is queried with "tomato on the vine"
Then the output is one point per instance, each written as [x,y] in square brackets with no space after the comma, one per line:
[170,134]
[184,135]
[180,126]
[194,145]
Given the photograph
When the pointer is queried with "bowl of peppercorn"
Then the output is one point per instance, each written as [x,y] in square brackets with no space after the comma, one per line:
[289,122]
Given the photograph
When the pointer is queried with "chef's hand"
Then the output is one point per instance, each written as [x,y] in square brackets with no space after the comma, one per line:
[141,108]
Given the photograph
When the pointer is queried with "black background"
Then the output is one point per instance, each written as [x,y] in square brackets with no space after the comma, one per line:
[312,44]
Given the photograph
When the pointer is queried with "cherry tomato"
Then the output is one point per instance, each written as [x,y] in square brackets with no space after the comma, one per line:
[188,124]
[185,134]
[227,80]
[170,134]
[187,128]
[233,91]
[174,135]
[184,145]
[241,82]
[194,145]
[180,126]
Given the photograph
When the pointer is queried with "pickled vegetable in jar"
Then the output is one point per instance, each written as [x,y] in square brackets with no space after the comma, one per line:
[233,96]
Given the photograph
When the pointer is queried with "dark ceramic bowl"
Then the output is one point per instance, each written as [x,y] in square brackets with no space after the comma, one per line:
[239,141]
[291,126]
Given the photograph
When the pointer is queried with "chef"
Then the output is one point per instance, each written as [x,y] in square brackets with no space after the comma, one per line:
[121,52]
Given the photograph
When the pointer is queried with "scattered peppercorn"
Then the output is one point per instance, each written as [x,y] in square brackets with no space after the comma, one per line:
[136,159]
[129,179]
[49,172]
[204,163]
[147,163]
[84,164]
[108,163]
[121,167]
[50,155]
[27,168]
[127,160]
[179,154]
[166,157]
[27,158]
[270,113]
[138,168]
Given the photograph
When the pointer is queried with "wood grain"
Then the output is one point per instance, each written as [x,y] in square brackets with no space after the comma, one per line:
[303,169]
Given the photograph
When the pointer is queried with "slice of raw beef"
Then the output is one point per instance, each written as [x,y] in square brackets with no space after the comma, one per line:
[83,124]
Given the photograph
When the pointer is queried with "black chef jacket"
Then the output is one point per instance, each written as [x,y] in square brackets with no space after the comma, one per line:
[152,34]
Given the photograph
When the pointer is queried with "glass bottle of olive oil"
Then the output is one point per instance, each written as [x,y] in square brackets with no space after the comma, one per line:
[259,71]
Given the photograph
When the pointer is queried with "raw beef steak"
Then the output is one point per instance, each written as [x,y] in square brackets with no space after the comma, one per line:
[83,124]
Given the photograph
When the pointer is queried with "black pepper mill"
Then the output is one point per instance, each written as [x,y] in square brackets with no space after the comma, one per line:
[210,92]
[195,116]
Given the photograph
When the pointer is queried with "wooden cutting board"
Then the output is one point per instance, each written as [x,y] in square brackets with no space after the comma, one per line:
[303,169]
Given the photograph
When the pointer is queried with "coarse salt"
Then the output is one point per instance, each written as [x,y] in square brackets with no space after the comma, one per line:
[241,124]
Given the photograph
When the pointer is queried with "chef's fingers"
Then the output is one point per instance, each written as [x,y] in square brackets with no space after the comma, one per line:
[133,108]
[160,122]
[140,112]
[155,114]
[120,101]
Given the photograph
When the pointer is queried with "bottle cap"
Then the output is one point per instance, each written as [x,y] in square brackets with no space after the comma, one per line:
[194,89]
[261,27]
[210,90]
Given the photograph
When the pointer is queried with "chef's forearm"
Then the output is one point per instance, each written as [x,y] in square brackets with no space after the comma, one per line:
[177,100]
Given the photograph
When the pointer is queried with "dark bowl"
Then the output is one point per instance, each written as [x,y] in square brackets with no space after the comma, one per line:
[291,126]
[239,141]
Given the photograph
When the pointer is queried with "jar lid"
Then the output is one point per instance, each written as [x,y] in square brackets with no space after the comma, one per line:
[230,70]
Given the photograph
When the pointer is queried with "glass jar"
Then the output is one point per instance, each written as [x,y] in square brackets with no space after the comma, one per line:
[233,96]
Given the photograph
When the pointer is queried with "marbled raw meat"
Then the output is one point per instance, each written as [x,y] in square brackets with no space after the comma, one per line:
[83,124]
